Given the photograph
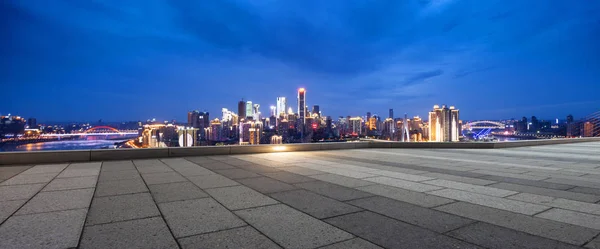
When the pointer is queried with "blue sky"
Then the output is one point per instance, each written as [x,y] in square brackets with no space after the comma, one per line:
[133,60]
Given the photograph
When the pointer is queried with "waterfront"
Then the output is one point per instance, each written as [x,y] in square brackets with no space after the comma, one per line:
[63,145]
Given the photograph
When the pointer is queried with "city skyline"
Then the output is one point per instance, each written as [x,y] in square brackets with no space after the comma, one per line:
[85,61]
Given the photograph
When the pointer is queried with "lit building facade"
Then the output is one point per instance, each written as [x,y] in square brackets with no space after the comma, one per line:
[444,124]
[355,126]
[248,109]
[302,105]
[281,106]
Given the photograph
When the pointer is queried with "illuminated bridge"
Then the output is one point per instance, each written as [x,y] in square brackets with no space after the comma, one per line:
[483,124]
[96,131]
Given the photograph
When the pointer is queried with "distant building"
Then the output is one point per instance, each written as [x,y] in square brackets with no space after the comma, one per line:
[443,124]
[276,139]
[248,109]
[588,128]
[391,114]
[302,105]
[355,126]
[32,123]
[242,109]
[192,119]
[281,106]
[316,110]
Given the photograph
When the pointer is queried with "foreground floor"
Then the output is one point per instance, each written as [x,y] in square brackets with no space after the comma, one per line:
[534,197]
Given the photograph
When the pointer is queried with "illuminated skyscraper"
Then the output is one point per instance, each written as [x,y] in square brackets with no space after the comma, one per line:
[281,106]
[242,109]
[443,124]
[256,112]
[316,110]
[302,105]
[391,115]
[355,126]
[273,111]
[248,109]
[193,119]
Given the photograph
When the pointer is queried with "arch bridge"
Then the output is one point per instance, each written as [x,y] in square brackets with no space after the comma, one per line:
[96,131]
[483,124]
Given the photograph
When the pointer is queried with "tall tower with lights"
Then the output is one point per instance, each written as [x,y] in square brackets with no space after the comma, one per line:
[302,105]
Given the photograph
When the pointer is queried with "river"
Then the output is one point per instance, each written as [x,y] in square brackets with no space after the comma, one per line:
[64,145]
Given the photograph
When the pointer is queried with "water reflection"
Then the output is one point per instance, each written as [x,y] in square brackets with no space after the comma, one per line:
[65,145]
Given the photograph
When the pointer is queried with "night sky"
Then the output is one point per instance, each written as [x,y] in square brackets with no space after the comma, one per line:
[82,60]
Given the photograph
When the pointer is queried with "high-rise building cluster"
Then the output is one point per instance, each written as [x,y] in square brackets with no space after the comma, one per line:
[444,124]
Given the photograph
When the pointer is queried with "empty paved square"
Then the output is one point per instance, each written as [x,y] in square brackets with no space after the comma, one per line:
[529,197]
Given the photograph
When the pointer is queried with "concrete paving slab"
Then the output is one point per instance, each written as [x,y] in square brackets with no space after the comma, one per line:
[403,176]
[568,233]
[19,192]
[192,217]
[594,244]
[334,191]
[291,228]
[313,204]
[121,187]
[578,206]
[7,208]
[490,201]
[44,230]
[580,183]
[177,191]
[119,175]
[412,214]
[288,177]
[57,201]
[342,180]
[390,233]
[71,183]
[29,179]
[6,172]
[215,165]
[491,236]
[243,237]
[303,171]
[541,184]
[463,179]
[142,233]
[356,243]
[46,168]
[471,188]
[236,173]
[212,181]
[79,172]
[120,208]
[549,192]
[408,185]
[585,190]
[165,177]
[117,165]
[420,199]
[240,197]
[572,217]
[266,185]
[258,168]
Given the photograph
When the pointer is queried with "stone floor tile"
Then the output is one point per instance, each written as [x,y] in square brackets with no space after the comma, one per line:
[212,181]
[194,171]
[578,206]
[177,191]
[390,233]
[46,168]
[145,233]
[412,214]
[303,171]
[258,168]
[408,185]
[491,191]
[288,177]
[19,192]
[44,230]
[291,228]
[215,165]
[121,187]
[7,208]
[240,197]
[313,204]
[117,166]
[118,175]
[120,208]
[572,217]
[540,184]
[594,244]
[342,180]
[79,172]
[490,201]
[541,227]
[266,185]
[6,172]
[165,177]
[29,179]
[403,176]
[348,173]
[57,201]
[549,192]
[192,217]
[334,191]
[399,194]
[355,243]
[243,237]
[491,236]
[462,179]
[71,183]
[236,173]
[585,190]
